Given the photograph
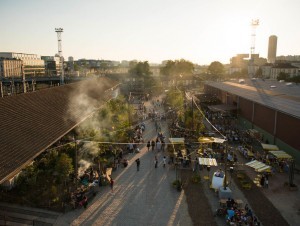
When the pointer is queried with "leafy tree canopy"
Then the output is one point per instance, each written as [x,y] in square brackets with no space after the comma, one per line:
[139,68]
[258,73]
[64,166]
[216,68]
[283,76]
[177,67]
[286,77]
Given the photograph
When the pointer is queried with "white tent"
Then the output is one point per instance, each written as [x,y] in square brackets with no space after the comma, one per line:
[258,166]
[269,147]
[208,161]
[281,154]
[177,140]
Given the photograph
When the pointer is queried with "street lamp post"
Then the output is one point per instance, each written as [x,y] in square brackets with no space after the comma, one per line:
[225,178]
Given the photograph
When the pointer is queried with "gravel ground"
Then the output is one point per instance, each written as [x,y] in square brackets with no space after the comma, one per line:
[198,204]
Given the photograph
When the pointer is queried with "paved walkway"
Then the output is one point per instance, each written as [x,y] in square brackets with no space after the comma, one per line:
[144,197]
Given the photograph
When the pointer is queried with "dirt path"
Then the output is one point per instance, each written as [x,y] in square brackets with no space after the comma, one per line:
[198,205]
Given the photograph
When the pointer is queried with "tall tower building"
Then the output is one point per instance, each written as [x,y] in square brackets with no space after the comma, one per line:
[272,49]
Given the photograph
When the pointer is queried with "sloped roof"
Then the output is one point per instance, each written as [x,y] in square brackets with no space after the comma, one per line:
[283,99]
[32,122]
[269,147]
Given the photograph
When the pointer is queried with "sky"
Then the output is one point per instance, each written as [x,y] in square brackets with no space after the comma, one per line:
[201,31]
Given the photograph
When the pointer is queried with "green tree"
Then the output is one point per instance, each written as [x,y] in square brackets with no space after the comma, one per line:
[175,98]
[283,76]
[139,68]
[295,79]
[216,68]
[76,67]
[64,166]
[168,69]
[258,73]
[178,67]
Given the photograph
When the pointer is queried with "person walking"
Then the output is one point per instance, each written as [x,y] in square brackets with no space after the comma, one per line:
[266,183]
[148,145]
[155,161]
[112,184]
[156,126]
[138,162]
[262,181]
[131,148]
[164,161]
[158,145]
[153,145]
[163,145]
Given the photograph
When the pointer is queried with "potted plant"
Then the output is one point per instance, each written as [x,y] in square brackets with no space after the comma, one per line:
[177,184]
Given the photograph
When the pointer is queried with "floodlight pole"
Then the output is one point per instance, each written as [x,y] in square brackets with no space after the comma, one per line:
[61,59]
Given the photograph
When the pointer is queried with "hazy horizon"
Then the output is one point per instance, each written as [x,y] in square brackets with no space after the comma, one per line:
[195,30]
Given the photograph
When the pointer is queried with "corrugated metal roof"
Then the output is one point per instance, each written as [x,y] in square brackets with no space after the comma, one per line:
[280,98]
[32,122]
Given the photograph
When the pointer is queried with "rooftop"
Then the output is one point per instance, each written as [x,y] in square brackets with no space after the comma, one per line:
[33,122]
[284,97]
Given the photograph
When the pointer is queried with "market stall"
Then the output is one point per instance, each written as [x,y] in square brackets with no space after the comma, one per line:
[179,140]
[258,166]
[269,147]
[245,152]
[280,154]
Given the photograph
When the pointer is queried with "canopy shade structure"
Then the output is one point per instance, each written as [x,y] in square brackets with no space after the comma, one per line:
[208,161]
[206,140]
[258,166]
[281,155]
[177,140]
[269,147]
[264,168]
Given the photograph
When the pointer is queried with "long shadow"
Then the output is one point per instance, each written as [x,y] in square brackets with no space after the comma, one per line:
[264,96]
[145,197]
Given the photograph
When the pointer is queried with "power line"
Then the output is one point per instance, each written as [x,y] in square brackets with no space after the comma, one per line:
[206,117]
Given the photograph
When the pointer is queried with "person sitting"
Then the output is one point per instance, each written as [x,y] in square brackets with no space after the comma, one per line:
[232,202]
[230,213]
[83,202]
[228,203]
[221,174]
[79,195]
[125,162]
[249,213]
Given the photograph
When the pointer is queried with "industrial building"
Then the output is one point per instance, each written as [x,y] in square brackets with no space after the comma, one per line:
[270,107]
[52,65]
[33,64]
[10,68]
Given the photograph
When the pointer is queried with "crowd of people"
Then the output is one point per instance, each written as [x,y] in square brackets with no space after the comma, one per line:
[237,216]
